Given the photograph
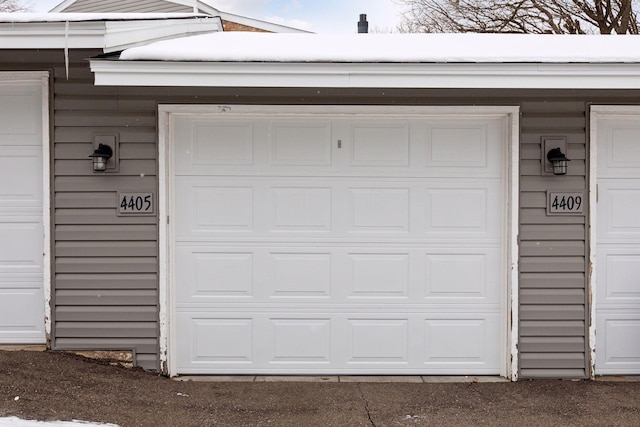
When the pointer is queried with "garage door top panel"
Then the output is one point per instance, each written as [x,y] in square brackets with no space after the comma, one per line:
[362,147]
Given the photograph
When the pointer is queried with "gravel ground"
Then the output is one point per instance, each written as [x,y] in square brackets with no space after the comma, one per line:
[59,386]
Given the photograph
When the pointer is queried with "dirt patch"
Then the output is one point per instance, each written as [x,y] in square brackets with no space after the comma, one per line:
[59,386]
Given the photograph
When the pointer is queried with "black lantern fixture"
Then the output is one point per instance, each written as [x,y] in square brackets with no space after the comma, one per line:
[100,157]
[558,160]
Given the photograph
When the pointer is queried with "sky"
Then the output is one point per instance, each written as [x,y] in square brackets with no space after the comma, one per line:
[320,16]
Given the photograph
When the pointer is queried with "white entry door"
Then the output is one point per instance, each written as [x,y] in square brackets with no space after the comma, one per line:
[22,311]
[617,303]
[338,243]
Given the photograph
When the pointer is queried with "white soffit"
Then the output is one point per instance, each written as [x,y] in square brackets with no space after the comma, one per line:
[380,60]
[108,31]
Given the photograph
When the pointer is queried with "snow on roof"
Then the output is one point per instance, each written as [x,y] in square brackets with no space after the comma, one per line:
[392,48]
[86,17]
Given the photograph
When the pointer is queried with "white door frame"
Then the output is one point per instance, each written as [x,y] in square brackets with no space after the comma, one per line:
[597,112]
[166,113]
[42,78]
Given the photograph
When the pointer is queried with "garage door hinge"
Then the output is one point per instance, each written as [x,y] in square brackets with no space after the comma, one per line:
[167,220]
[339,143]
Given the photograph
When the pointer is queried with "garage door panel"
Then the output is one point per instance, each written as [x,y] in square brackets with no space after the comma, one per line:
[378,275]
[619,347]
[463,276]
[301,143]
[619,217]
[282,342]
[379,209]
[621,269]
[464,210]
[20,114]
[462,147]
[340,245]
[471,348]
[24,255]
[213,208]
[305,275]
[213,143]
[300,209]
[22,309]
[21,203]
[617,303]
[382,341]
[214,273]
[215,340]
[618,151]
[377,145]
[328,208]
[433,147]
[337,274]
[18,189]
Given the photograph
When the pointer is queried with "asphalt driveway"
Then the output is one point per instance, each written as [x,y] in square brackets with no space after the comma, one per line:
[58,386]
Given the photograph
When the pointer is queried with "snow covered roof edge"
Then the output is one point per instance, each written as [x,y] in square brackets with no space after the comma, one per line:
[391,48]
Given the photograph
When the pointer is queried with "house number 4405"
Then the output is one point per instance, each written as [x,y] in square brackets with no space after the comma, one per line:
[135,203]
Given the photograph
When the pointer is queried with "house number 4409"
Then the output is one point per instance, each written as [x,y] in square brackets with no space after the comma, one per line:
[559,203]
[135,203]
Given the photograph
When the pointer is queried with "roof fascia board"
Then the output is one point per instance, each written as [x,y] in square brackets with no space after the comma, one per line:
[341,75]
[122,35]
[110,36]
[52,35]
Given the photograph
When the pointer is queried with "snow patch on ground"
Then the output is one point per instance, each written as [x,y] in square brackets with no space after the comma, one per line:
[17,422]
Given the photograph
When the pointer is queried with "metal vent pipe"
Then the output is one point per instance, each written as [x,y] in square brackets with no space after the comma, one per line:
[363,25]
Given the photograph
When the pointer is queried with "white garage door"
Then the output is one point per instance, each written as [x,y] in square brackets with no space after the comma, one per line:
[338,244]
[618,246]
[21,220]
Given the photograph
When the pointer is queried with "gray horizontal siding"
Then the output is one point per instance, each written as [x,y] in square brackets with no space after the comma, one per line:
[106,266]
[126,6]
[553,250]
[134,281]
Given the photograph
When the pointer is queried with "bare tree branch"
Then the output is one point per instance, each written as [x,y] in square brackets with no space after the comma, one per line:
[521,16]
[14,6]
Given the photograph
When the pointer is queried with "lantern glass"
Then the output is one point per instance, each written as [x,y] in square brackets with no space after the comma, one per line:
[99,164]
[558,161]
[100,157]
[560,167]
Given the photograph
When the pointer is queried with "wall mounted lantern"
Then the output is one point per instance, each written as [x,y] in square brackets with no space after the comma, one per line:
[100,157]
[558,161]
[552,154]
[106,153]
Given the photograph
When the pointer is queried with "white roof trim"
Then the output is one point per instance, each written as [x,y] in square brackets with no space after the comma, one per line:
[108,35]
[358,75]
